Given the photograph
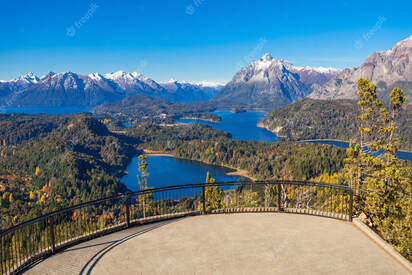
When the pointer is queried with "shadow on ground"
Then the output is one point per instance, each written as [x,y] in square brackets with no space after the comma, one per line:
[88,267]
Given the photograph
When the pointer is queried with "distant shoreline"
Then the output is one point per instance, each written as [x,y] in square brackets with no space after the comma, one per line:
[240,173]
[344,141]
[322,139]
[200,119]
[261,125]
[151,153]
[237,172]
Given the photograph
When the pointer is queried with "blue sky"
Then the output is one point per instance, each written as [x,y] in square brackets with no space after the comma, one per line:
[192,40]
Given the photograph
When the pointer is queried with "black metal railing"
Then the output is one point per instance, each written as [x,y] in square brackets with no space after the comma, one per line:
[26,243]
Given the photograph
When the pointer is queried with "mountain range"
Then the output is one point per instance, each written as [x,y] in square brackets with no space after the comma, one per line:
[268,83]
[72,89]
[386,69]
[273,83]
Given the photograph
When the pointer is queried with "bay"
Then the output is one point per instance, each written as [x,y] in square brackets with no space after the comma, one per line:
[242,126]
[169,171]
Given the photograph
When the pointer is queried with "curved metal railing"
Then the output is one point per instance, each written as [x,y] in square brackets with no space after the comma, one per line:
[24,244]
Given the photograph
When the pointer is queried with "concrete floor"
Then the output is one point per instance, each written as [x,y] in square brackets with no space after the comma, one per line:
[264,243]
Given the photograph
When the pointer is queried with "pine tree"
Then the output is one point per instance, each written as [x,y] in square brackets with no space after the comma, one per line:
[383,184]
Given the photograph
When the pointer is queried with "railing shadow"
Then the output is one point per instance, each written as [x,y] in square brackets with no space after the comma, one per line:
[89,266]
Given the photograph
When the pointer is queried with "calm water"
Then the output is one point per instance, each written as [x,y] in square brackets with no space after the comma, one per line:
[404,155]
[242,126]
[45,110]
[168,171]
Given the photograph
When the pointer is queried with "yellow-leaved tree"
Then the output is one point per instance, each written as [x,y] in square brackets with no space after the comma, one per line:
[11,198]
[145,199]
[32,196]
[213,194]
[37,171]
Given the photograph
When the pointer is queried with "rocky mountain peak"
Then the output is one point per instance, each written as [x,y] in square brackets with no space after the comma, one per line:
[406,43]
[384,68]
[266,57]
[265,82]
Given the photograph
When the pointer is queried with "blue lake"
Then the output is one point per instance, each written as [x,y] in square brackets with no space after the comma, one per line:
[242,126]
[45,110]
[168,171]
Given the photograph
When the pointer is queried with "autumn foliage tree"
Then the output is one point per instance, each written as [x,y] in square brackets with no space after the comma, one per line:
[146,200]
[11,198]
[213,195]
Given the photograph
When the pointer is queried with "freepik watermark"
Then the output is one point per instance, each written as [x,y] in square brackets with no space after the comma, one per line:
[191,8]
[368,35]
[141,66]
[257,50]
[71,31]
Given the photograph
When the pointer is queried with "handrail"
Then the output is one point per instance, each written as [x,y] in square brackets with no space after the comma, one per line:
[174,187]
[40,237]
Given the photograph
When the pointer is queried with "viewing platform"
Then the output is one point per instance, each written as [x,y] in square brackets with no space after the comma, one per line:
[267,227]
[240,243]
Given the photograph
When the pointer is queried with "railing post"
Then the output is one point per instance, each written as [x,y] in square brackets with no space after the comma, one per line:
[279,197]
[127,202]
[51,234]
[204,199]
[350,204]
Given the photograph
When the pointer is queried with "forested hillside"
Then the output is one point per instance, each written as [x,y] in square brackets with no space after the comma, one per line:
[327,119]
[286,160]
[76,159]
[17,128]
[76,162]
[140,106]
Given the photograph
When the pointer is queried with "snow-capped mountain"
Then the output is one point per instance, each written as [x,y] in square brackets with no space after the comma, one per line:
[183,91]
[384,68]
[267,82]
[20,83]
[270,82]
[29,78]
[71,89]
[132,82]
[317,75]
[64,89]
[173,90]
